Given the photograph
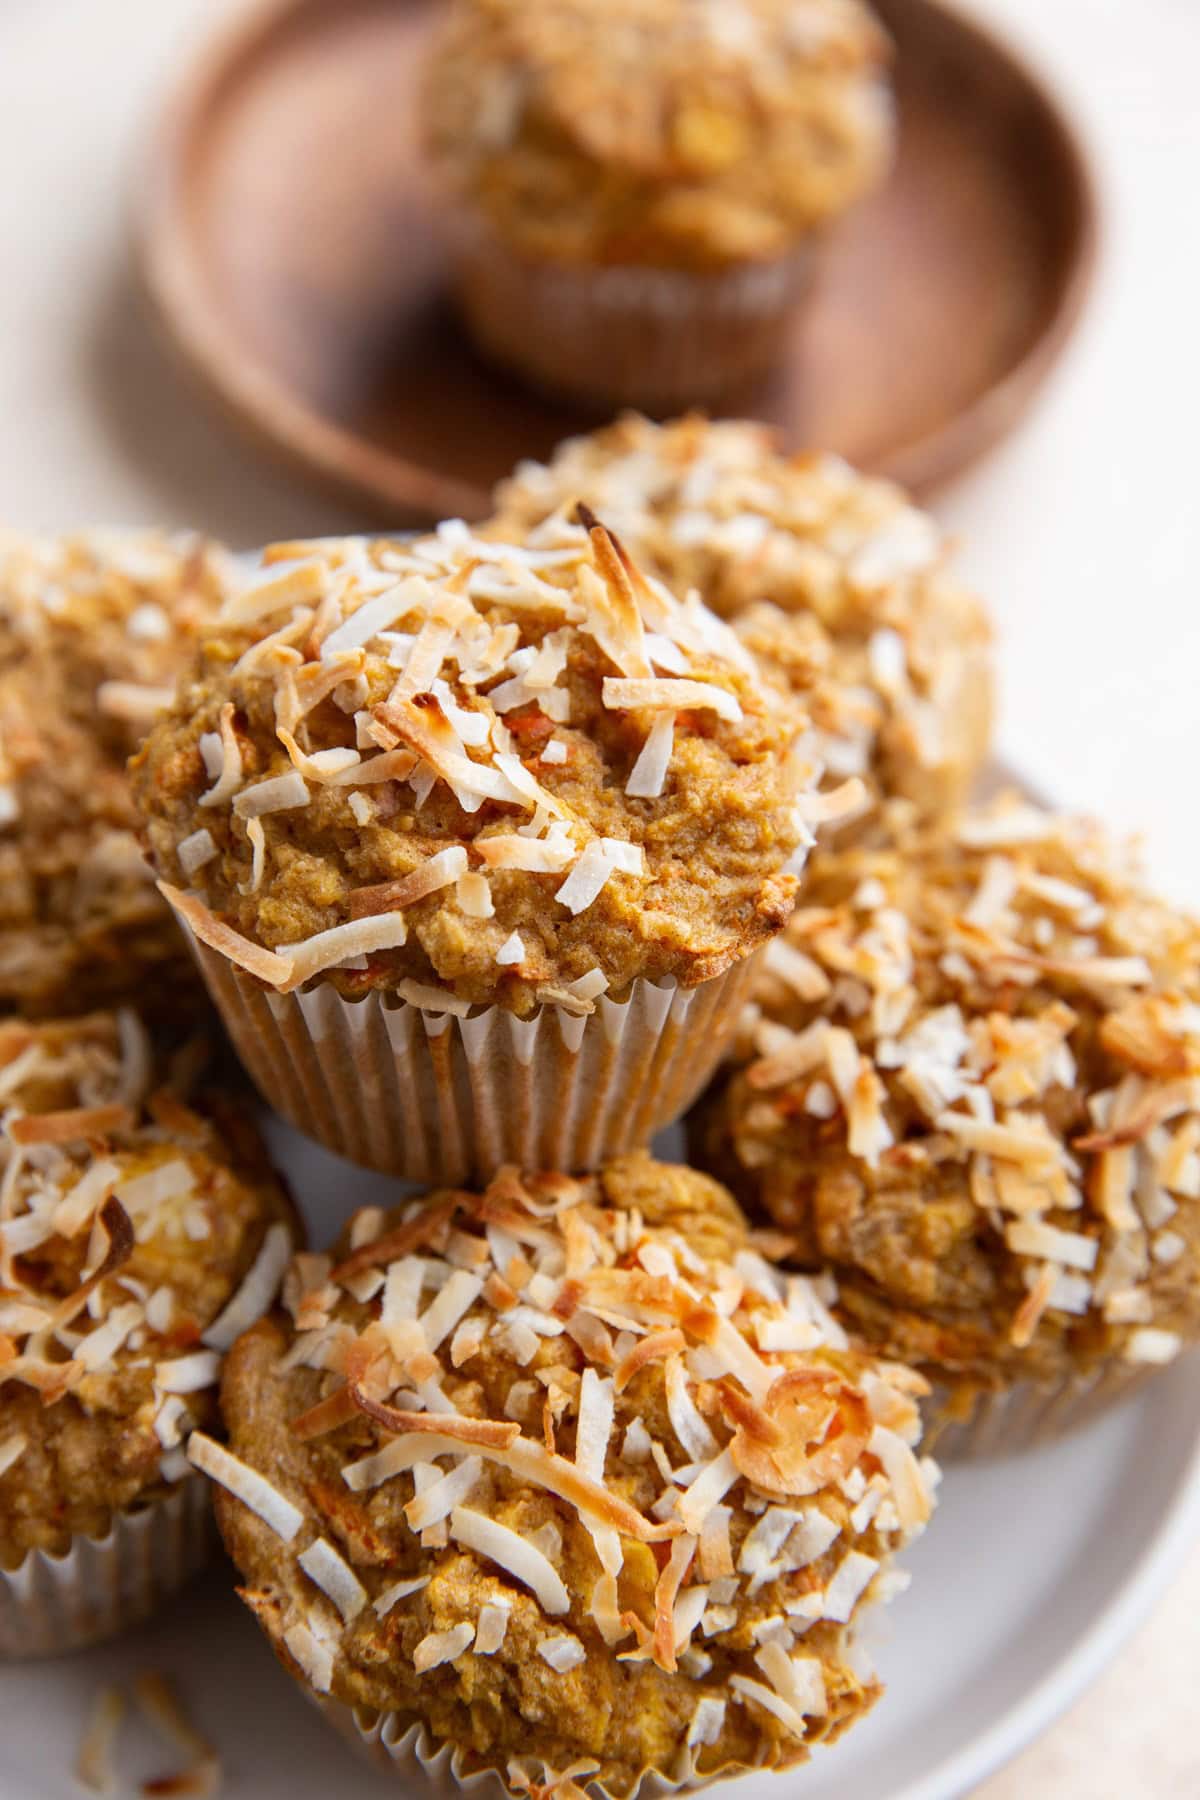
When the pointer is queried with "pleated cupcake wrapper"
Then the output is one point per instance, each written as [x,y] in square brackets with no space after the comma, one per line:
[437,1098]
[102,1586]
[1024,1416]
[656,338]
[409,1752]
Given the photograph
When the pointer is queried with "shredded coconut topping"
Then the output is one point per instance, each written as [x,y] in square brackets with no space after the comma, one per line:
[997,1021]
[629,1321]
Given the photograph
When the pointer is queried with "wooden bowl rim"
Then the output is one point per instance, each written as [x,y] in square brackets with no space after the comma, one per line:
[292,431]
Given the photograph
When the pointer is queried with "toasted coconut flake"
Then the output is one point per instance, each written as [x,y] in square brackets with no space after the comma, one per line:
[852,1576]
[437,872]
[515,1554]
[12,1449]
[119,1230]
[230,778]
[275,970]
[511,951]
[602,858]
[94,1758]
[707,1722]
[421,1229]
[314,1658]
[666,1589]
[1149,1345]
[655,1347]
[686,1422]
[495,1435]
[399,1590]
[245,1484]
[703,1493]
[257,1290]
[449,1305]
[133,701]
[442,1646]
[491,1628]
[1028,1315]
[195,851]
[280,794]
[561,1653]
[72,1126]
[1032,1237]
[439,1500]
[187,1374]
[831,805]
[474,896]
[335,1578]
[649,773]
[357,937]
[665,692]
[766,1697]
[594,1426]
[330,1414]
[432,999]
[536,856]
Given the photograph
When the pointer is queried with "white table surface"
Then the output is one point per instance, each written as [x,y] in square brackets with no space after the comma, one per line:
[1084,532]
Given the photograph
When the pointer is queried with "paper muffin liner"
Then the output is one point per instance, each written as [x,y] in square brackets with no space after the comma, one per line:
[102,1586]
[436,1098]
[1024,1416]
[409,1752]
[659,339]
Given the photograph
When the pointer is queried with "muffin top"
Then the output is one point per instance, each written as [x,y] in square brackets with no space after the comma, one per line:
[138,1237]
[658,132]
[92,632]
[467,772]
[570,1475]
[838,584]
[107,617]
[972,1089]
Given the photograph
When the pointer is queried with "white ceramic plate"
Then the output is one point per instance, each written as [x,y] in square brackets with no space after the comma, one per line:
[1034,1571]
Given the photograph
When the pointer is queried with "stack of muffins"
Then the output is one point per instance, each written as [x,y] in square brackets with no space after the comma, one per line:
[141,1228]
[499,850]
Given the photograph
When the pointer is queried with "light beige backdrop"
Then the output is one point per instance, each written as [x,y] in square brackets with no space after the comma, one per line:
[1085,532]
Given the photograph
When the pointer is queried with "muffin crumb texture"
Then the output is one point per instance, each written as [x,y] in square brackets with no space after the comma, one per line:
[969,1084]
[570,1476]
[459,771]
[138,1237]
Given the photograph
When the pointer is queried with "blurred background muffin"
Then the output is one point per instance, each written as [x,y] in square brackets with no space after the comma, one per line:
[92,630]
[634,190]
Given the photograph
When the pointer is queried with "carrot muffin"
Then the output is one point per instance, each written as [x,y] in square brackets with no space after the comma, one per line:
[92,631]
[567,1480]
[971,1090]
[836,582]
[465,833]
[634,192]
[138,1237]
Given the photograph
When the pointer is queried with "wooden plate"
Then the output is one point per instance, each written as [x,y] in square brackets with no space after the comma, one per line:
[286,240]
